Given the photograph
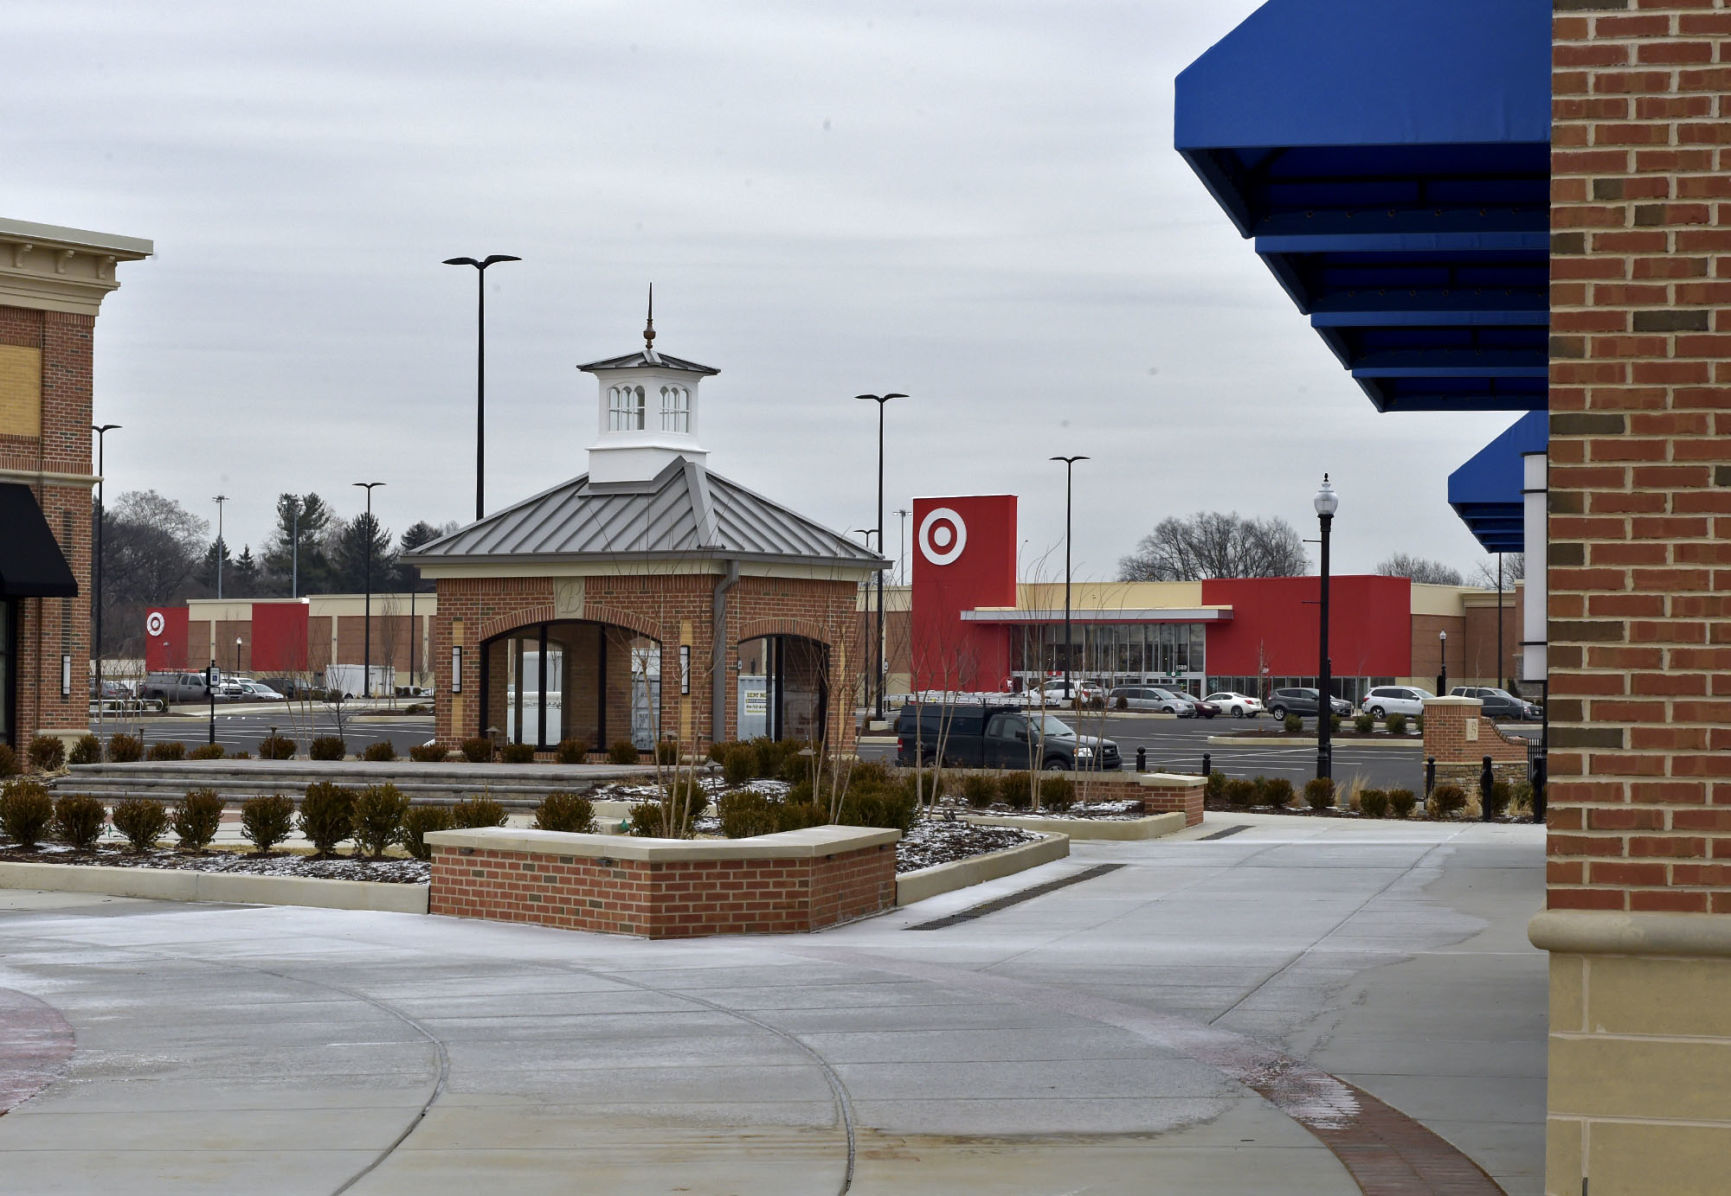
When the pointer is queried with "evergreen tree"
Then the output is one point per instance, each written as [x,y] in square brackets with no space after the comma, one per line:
[206,574]
[407,576]
[243,582]
[352,543]
[279,555]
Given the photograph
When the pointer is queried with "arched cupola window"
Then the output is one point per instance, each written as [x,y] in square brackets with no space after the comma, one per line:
[675,409]
[625,408]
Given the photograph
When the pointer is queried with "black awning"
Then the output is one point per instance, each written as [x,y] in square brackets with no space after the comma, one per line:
[31,563]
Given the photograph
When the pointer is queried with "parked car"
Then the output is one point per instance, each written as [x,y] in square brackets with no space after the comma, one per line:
[288,687]
[174,687]
[1055,696]
[1152,698]
[1235,704]
[987,735]
[1204,708]
[1499,704]
[1385,700]
[250,691]
[1303,700]
[111,690]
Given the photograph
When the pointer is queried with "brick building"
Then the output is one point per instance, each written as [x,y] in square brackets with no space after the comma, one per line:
[52,283]
[649,598]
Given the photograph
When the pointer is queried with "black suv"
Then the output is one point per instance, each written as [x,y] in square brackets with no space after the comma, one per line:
[979,735]
[1499,704]
[1283,702]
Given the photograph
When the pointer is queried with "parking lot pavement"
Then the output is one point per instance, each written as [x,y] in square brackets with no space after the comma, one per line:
[1107,1036]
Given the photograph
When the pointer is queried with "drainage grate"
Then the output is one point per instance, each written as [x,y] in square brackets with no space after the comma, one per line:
[1231,830]
[992,907]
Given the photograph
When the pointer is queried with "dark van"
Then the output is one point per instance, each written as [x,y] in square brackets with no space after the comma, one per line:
[984,735]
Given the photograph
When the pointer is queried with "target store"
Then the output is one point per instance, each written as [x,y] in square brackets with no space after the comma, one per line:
[971,621]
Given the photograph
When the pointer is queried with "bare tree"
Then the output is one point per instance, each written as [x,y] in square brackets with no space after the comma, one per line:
[1420,569]
[1212,544]
[1514,569]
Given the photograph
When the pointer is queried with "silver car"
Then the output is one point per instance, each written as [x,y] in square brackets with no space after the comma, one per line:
[1152,698]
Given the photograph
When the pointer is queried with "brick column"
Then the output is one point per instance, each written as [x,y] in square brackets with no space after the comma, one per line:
[1639,861]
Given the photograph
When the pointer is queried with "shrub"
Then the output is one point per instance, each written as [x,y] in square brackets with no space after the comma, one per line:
[891,806]
[124,748]
[327,747]
[166,749]
[474,812]
[276,747]
[25,812]
[1240,792]
[1500,795]
[1015,791]
[382,752]
[1334,722]
[739,764]
[142,820]
[88,750]
[1278,792]
[1401,802]
[1319,793]
[379,811]
[266,821]
[1057,793]
[1373,803]
[241,756]
[795,762]
[667,752]
[8,761]
[1293,724]
[979,790]
[718,750]
[418,821]
[649,820]
[47,753]
[196,817]
[1364,724]
[1446,801]
[1123,703]
[1396,724]
[574,751]
[327,815]
[571,813]
[478,750]
[428,753]
[745,813]
[1418,723]
[623,751]
[78,821]
[206,751]
[1521,797]
[517,753]
[1215,789]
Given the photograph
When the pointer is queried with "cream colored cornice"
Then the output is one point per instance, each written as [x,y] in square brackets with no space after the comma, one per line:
[48,268]
[33,477]
[1613,932]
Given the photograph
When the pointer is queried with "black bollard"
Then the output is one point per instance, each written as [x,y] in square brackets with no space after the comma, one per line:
[1429,776]
[1487,782]
[1539,788]
[1141,759]
[1207,764]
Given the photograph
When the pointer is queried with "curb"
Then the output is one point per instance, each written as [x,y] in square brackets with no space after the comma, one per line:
[178,884]
[1310,741]
[1154,826]
[946,878]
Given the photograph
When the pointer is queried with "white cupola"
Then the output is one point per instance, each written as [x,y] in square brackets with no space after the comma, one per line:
[647,413]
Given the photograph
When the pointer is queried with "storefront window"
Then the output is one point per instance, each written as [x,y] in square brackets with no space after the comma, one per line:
[6,679]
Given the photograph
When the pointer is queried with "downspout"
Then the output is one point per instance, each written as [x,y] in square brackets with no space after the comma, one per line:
[718,636]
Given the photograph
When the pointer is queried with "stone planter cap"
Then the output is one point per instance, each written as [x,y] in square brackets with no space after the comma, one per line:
[810,843]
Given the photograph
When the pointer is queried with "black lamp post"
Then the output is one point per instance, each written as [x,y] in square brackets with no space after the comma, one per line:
[481,364]
[1326,503]
[878,668]
[1442,655]
[1069,646]
[101,430]
[237,654]
[367,616]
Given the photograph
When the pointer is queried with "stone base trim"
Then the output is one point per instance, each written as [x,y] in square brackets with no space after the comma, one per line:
[185,884]
[994,865]
[1152,826]
[1610,932]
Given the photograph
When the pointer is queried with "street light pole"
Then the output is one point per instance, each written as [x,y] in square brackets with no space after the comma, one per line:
[1500,664]
[220,499]
[878,668]
[902,548]
[101,431]
[1442,653]
[237,654]
[1069,644]
[481,365]
[295,549]
[1326,504]
[367,616]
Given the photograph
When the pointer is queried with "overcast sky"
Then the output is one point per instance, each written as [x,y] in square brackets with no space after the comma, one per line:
[975,203]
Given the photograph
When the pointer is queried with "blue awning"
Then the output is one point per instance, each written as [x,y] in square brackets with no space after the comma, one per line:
[1391,162]
[1486,491]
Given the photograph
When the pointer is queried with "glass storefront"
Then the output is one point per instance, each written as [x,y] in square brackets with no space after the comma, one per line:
[573,680]
[7,680]
[1111,652]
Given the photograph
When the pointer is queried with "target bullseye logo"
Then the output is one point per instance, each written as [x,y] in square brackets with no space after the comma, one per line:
[943,535]
[154,623]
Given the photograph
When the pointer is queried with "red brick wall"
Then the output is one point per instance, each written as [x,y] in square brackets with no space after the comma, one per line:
[1460,759]
[1640,458]
[664,900]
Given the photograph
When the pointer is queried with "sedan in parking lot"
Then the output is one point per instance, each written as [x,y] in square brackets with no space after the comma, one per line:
[1385,700]
[1237,705]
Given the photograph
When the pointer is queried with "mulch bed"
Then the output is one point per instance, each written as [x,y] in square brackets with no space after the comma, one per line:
[935,841]
[1299,810]
[390,870]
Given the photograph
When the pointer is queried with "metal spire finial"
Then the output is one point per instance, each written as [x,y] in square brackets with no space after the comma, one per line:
[649,328]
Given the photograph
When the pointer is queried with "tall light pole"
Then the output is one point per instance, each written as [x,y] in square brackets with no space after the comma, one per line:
[1069,644]
[902,549]
[367,615]
[481,365]
[101,431]
[880,400]
[219,500]
[1500,665]
[1442,657]
[1326,502]
[295,548]
[237,654]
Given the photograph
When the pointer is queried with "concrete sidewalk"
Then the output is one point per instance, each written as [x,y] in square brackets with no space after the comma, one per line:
[1088,1039]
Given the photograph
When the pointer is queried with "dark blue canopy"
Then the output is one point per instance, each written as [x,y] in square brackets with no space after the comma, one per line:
[1391,158]
[1486,491]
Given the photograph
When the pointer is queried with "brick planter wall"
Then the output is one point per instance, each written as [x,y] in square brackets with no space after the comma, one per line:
[1459,738]
[663,888]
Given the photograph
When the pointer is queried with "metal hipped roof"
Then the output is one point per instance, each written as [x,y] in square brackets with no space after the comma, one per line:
[647,358]
[1391,161]
[1486,491]
[684,512]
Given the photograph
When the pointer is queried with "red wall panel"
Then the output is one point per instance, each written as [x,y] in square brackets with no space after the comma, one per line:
[964,557]
[165,636]
[1275,623]
[279,637]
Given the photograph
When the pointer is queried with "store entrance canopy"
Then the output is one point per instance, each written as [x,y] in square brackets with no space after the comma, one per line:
[1486,491]
[1392,163]
[31,563]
